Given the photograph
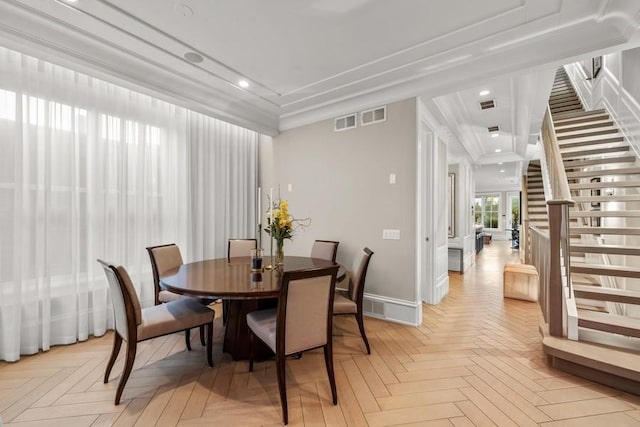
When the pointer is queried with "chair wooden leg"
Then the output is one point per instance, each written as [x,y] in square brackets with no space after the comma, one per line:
[328,361]
[187,338]
[209,343]
[117,342]
[282,386]
[252,344]
[128,366]
[360,320]
[202,341]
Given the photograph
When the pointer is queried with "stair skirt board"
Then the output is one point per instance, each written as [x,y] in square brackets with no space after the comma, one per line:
[582,370]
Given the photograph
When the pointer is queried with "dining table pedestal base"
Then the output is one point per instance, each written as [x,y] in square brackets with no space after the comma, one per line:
[236,334]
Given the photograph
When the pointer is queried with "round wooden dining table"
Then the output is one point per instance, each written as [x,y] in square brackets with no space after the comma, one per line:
[233,280]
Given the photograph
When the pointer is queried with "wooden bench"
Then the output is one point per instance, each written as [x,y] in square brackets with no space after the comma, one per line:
[520,281]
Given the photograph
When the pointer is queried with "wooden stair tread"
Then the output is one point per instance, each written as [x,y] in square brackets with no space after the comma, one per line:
[618,148]
[621,199]
[604,172]
[605,214]
[589,141]
[606,249]
[585,304]
[622,325]
[565,103]
[608,184]
[606,294]
[593,124]
[631,231]
[589,132]
[607,270]
[584,113]
[572,164]
[585,280]
[601,116]
[596,356]
[561,97]
[563,127]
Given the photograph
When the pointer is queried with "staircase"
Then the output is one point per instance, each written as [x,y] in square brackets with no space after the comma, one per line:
[536,204]
[604,178]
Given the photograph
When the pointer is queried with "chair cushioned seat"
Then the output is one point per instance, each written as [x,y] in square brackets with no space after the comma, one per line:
[263,325]
[168,296]
[342,304]
[172,317]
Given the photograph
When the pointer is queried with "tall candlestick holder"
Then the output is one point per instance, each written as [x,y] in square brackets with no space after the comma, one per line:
[271,263]
[259,236]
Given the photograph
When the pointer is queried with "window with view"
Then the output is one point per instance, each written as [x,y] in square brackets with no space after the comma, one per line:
[487,209]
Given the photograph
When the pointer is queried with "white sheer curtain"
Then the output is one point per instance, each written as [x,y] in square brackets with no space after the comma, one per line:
[222,197]
[91,170]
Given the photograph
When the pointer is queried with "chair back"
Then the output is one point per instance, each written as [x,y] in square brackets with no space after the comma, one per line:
[240,247]
[126,305]
[305,309]
[325,249]
[359,274]
[163,258]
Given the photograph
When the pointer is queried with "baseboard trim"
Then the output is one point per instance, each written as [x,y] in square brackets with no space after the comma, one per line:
[392,309]
[468,261]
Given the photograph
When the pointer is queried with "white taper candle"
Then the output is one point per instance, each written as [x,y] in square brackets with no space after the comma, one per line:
[259,206]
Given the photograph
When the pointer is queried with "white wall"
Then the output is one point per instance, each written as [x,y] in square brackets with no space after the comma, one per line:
[464,237]
[341,181]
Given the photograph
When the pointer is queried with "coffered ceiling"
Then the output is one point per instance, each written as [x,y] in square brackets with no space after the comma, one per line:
[519,103]
[315,59]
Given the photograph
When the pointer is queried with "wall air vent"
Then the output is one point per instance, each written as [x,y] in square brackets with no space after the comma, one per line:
[345,122]
[493,129]
[489,103]
[375,115]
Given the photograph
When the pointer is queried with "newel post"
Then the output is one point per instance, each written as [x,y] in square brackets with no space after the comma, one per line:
[558,238]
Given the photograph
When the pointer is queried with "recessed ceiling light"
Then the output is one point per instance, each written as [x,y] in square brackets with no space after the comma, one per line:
[494,135]
[484,92]
[498,150]
[196,58]
[243,83]
[499,163]
[501,170]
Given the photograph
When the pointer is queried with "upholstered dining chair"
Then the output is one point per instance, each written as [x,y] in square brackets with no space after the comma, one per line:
[134,324]
[237,248]
[164,258]
[349,301]
[302,321]
[325,249]
[240,247]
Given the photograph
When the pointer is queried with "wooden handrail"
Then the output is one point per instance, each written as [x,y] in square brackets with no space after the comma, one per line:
[558,183]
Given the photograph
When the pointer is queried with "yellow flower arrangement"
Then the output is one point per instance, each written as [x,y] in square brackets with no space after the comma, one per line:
[281,225]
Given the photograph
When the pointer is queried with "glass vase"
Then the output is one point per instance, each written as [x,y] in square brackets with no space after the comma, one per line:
[279,261]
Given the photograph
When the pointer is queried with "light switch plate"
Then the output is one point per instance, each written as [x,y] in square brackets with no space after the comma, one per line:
[391,234]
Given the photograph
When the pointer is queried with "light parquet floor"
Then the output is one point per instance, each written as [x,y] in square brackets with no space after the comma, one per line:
[475,360]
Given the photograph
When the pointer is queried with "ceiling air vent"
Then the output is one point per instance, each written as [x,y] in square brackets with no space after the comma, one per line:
[345,122]
[493,129]
[374,115]
[489,103]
